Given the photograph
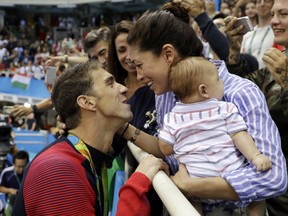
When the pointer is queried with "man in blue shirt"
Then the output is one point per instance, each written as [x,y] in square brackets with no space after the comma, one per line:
[11,177]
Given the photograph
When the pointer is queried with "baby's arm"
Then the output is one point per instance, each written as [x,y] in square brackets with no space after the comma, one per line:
[247,147]
[166,148]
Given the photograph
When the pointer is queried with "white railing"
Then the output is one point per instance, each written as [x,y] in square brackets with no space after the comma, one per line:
[174,201]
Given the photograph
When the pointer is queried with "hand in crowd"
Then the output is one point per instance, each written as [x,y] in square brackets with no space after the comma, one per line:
[21,110]
[277,64]
[195,7]
[262,162]
[150,165]
[233,34]
[54,61]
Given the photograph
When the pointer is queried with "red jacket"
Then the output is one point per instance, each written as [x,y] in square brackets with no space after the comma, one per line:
[59,182]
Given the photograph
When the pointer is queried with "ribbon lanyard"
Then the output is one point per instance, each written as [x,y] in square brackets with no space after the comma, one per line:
[17,178]
[101,181]
[261,43]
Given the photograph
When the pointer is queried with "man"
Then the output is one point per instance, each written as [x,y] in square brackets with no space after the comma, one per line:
[69,176]
[11,177]
[96,45]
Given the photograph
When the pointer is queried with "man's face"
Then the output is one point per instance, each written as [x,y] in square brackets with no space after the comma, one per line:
[19,165]
[100,53]
[111,97]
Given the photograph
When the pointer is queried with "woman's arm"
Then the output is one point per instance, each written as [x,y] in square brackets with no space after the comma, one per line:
[143,140]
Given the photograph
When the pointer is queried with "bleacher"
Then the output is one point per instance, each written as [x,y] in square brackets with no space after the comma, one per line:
[32,141]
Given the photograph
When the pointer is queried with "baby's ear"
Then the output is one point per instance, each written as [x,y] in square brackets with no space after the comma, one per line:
[202,89]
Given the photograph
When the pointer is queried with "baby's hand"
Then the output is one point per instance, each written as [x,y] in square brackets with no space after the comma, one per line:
[262,162]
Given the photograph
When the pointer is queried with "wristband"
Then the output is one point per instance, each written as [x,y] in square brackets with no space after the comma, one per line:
[34,108]
[136,133]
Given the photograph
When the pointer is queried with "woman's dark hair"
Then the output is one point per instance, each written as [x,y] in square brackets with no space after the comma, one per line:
[169,25]
[114,66]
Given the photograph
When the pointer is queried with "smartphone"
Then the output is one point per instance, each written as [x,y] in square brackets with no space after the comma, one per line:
[246,22]
[50,75]
[7,110]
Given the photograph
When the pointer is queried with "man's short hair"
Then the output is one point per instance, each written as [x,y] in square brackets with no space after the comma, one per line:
[21,155]
[75,81]
[95,36]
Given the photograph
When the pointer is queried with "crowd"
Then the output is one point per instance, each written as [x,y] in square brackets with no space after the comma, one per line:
[181,62]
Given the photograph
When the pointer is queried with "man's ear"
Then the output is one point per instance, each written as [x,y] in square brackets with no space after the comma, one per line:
[87,102]
[203,91]
[169,53]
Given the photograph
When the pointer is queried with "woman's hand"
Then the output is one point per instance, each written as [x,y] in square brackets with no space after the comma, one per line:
[181,178]
[277,64]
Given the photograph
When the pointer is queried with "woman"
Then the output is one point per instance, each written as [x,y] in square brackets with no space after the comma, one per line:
[250,11]
[157,41]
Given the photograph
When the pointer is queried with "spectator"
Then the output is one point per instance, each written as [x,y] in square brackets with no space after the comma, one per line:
[11,178]
[256,42]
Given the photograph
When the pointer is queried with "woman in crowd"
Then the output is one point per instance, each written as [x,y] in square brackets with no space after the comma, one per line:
[153,54]
[250,11]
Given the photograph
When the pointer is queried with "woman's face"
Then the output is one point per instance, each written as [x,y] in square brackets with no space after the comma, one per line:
[250,9]
[279,22]
[152,70]
[122,53]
